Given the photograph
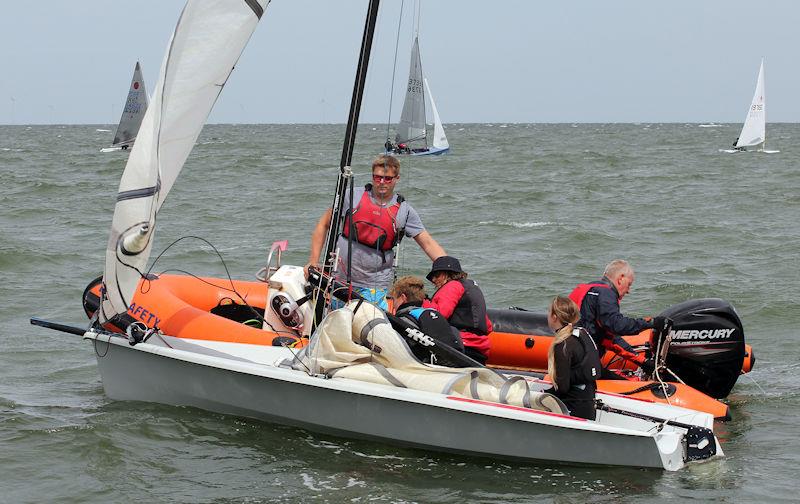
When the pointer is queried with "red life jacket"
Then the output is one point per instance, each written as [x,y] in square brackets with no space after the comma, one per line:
[579,292]
[375,226]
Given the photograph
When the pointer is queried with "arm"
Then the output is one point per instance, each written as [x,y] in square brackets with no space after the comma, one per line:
[428,245]
[562,365]
[610,317]
[445,299]
[318,238]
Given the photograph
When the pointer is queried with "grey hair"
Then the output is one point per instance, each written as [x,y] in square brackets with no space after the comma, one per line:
[616,267]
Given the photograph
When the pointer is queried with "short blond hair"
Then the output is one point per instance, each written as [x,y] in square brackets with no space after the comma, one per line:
[387,161]
[413,287]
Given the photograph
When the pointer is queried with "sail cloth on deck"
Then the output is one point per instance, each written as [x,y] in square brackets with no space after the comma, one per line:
[754,130]
[133,113]
[201,54]
[412,120]
[363,346]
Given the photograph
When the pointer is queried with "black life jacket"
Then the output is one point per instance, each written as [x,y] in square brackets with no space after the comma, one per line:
[438,328]
[588,369]
[412,314]
[470,312]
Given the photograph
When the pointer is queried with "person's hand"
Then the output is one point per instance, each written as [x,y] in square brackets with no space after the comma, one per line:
[659,323]
[308,265]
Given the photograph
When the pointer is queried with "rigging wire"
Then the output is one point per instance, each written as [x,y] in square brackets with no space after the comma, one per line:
[232,289]
[394,71]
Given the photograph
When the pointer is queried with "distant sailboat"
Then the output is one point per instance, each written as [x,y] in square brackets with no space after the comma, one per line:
[412,134]
[754,130]
[132,114]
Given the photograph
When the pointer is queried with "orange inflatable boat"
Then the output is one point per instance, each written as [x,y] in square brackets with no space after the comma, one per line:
[267,313]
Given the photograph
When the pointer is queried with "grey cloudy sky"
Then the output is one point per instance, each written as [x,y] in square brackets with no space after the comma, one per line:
[487,61]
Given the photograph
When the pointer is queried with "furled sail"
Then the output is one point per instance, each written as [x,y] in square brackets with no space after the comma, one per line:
[754,131]
[412,120]
[207,42]
[439,138]
[132,114]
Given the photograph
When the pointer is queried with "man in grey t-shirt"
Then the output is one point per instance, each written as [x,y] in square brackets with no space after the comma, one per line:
[379,219]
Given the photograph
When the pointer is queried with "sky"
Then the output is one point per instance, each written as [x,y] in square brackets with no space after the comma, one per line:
[489,61]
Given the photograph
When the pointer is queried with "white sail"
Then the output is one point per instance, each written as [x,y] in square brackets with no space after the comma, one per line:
[439,138]
[204,48]
[754,131]
[132,114]
[412,120]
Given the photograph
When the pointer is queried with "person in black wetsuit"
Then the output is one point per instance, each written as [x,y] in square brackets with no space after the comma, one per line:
[406,296]
[573,362]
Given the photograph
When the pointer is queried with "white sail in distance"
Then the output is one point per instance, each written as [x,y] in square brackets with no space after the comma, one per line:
[207,42]
[439,138]
[754,131]
[412,120]
[133,112]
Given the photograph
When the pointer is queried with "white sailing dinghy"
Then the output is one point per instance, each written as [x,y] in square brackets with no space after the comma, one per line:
[754,130]
[357,376]
[132,115]
[412,133]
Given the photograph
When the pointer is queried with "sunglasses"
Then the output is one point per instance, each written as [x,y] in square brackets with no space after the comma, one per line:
[383,178]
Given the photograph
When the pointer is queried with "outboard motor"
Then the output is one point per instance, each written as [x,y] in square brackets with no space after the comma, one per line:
[707,345]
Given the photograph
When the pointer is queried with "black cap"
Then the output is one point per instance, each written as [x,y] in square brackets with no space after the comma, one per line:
[445,263]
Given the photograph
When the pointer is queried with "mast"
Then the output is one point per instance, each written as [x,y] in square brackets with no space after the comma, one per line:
[345,172]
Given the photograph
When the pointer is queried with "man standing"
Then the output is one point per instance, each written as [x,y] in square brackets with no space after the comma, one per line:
[380,219]
[599,308]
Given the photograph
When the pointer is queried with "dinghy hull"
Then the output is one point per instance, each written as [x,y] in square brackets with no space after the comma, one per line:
[351,409]
[202,309]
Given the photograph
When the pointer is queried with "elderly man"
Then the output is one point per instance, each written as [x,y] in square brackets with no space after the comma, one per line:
[599,305]
[380,219]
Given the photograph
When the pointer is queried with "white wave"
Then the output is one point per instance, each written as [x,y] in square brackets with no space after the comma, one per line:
[710,125]
[515,224]
[103,130]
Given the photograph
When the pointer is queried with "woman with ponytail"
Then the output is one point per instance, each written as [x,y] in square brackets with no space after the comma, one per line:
[573,361]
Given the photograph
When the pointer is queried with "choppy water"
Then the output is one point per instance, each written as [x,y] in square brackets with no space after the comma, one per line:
[530,209]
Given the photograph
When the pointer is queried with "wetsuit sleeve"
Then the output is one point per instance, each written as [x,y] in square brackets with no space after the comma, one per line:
[445,299]
[562,363]
[611,319]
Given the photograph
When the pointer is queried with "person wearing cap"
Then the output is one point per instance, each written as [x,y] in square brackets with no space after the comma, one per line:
[462,302]
[381,218]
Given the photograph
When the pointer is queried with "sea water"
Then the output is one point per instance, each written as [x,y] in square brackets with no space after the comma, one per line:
[530,209]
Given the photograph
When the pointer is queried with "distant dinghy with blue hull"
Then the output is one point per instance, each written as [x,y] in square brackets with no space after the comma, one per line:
[754,130]
[412,133]
[132,115]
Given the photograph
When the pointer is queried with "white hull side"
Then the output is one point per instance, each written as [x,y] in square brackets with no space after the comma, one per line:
[368,411]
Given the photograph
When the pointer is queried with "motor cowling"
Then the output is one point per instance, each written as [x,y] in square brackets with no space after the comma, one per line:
[707,345]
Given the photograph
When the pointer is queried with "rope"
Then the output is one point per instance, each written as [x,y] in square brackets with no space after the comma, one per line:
[394,71]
